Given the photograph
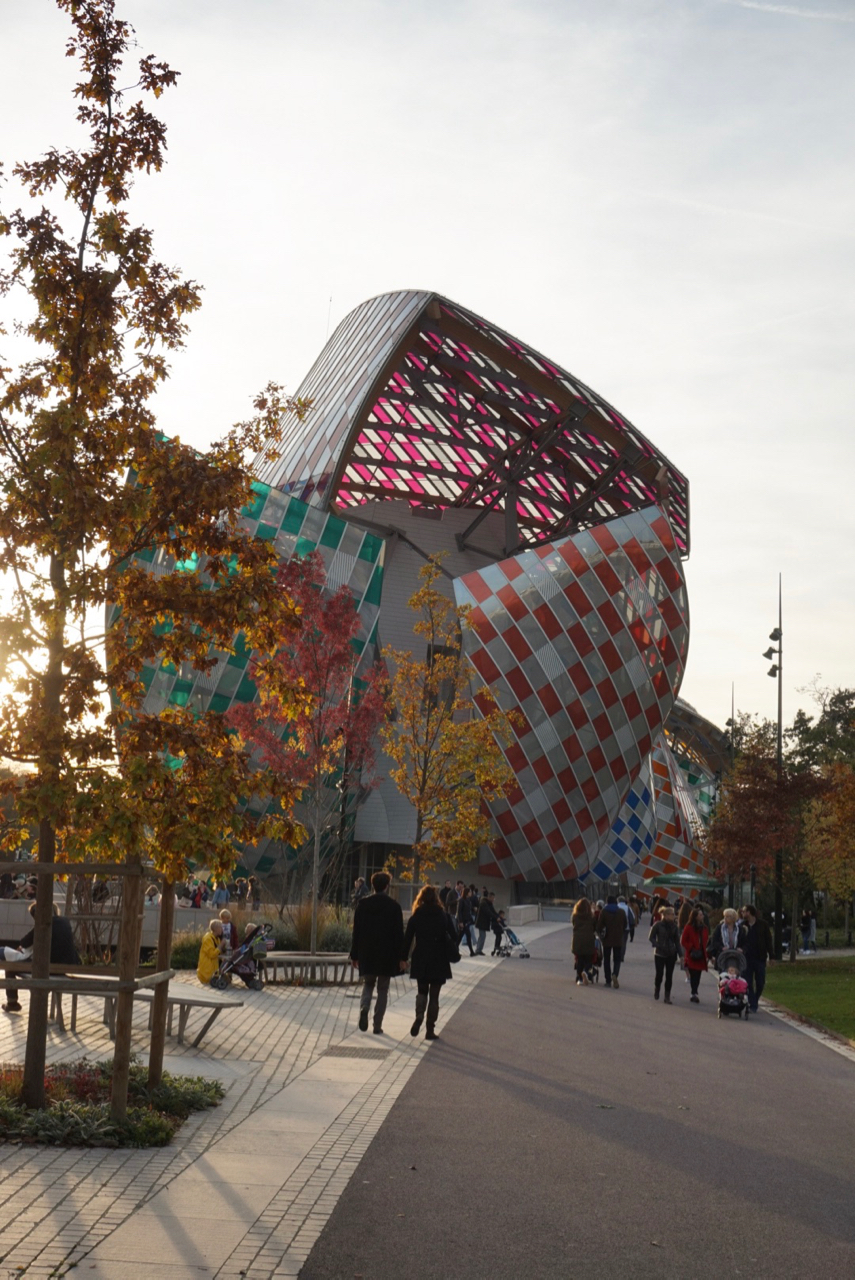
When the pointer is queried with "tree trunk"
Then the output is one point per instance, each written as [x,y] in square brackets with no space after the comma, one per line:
[33,1087]
[793,925]
[316,883]
[161,991]
[417,859]
[129,951]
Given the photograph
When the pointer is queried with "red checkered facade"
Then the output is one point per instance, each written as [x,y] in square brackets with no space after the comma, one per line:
[586,639]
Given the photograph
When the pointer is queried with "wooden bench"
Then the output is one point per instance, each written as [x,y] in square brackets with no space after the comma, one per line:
[302,965]
[184,1003]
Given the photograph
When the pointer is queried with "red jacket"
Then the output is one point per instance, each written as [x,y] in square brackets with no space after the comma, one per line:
[693,939]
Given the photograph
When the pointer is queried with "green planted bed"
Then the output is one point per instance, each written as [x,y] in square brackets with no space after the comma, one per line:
[77,1113]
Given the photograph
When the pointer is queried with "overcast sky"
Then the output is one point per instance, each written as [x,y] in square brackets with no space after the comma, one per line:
[658,194]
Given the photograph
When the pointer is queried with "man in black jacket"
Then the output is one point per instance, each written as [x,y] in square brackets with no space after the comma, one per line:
[376,948]
[62,951]
[758,948]
[484,920]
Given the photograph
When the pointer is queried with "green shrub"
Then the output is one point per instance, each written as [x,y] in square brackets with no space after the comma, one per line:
[337,937]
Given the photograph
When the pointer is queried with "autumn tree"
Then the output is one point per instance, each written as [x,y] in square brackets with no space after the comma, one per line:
[100,317]
[447,757]
[759,814]
[326,746]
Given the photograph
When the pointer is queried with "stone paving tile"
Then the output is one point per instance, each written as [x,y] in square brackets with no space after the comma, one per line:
[74,1208]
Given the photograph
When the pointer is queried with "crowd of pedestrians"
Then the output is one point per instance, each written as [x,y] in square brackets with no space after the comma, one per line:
[601,932]
[456,914]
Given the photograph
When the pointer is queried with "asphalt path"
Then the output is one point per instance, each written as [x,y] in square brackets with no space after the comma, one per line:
[573,1132]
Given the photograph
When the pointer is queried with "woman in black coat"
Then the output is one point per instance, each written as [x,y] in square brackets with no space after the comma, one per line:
[432,931]
[466,919]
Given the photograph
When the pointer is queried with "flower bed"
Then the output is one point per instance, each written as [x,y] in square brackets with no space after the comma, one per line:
[77,1110]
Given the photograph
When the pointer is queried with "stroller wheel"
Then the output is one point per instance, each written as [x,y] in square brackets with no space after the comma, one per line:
[256,984]
[219,984]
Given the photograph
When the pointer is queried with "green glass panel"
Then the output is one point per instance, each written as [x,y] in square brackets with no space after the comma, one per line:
[147,555]
[240,657]
[179,699]
[331,535]
[375,587]
[245,690]
[219,702]
[254,508]
[293,521]
[370,548]
[147,674]
[267,532]
[304,547]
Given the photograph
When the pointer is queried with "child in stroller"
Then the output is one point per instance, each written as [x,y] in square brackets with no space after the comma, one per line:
[243,962]
[732,987]
[508,943]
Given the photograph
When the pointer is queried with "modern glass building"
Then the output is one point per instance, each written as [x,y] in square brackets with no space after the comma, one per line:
[564,528]
[561,525]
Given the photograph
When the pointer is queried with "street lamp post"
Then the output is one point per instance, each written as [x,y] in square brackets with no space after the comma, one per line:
[777,669]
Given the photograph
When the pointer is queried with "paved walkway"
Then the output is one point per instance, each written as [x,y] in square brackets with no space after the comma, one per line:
[570,1133]
[245,1189]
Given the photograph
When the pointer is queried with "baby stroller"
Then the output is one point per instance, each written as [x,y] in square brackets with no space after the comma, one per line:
[243,963]
[733,995]
[511,943]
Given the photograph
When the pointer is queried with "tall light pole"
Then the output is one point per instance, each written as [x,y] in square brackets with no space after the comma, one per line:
[777,669]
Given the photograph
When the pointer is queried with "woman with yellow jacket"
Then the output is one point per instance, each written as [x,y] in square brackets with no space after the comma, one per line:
[209,953]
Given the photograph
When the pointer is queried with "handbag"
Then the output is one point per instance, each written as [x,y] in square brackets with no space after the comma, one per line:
[696,954]
[452,950]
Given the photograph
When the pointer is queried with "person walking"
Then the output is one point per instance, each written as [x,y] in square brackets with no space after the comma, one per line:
[254,891]
[583,945]
[484,920]
[693,940]
[629,930]
[360,891]
[430,935]
[728,935]
[466,918]
[610,927]
[665,939]
[221,896]
[759,950]
[375,948]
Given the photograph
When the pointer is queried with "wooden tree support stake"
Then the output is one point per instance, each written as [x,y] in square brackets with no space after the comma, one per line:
[159,1004]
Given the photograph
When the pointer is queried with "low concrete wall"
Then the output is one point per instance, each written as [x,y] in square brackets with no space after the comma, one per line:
[556,914]
[523,915]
